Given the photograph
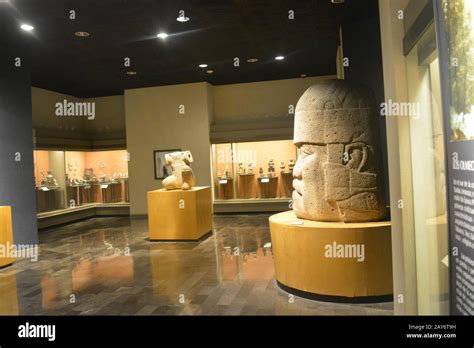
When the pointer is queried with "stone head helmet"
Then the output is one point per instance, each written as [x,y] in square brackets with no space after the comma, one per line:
[338,174]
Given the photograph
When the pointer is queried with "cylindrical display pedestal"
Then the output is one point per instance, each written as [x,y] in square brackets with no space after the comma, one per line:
[333,261]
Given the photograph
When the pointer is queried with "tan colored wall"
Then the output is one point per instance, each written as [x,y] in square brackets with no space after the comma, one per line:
[259,100]
[109,116]
[154,123]
[43,108]
[398,145]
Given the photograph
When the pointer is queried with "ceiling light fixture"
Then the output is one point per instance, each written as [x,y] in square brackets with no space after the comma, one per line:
[82,33]
[27,27]
[279,58]
[162,35]
[337,1]
[182,19]
[210,71]
[131,72]
[203,65]
[252,60]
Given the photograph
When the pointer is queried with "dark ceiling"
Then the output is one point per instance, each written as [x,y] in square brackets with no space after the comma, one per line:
[218,31]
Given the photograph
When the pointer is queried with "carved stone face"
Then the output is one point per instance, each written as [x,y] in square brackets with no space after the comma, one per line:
[338,175]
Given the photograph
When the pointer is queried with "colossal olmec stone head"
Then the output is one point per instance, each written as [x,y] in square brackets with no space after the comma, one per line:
[338,174]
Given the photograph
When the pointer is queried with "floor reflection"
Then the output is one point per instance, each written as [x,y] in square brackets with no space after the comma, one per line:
[105,266]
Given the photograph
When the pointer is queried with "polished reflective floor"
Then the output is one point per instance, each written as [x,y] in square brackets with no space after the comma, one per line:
[105,266]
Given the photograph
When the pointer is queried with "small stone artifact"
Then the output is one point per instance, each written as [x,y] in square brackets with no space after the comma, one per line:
[271,168]
[282,167]
[51,180]
[241,169]
[338,176]
[183,176]
[291,165]
[260,172]
[250,169]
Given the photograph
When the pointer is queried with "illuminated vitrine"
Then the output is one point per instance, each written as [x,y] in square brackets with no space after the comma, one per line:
[66,179]
[253,170]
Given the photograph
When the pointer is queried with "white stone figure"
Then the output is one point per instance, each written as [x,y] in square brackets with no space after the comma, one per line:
[182,177]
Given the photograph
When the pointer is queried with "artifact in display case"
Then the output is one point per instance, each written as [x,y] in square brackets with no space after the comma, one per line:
[254,167]
[182,176]
[48,193]
[271,168]
[226,184]
[286,183]
[291,165]
[250,170]
[246,183]
[268,184]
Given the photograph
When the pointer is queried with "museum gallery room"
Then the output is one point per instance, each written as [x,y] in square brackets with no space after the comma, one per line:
[237,157]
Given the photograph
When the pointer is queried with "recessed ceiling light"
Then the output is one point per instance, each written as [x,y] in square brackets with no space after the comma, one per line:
[162,35]
[27,27]
[337,1]
[252,60]
[82,34]
[131,72]
[182,19]
[279,58]
[203,65]
[210,71]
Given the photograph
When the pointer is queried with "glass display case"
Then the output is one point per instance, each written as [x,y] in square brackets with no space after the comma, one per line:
[49,186]
[253,170]
[66,179]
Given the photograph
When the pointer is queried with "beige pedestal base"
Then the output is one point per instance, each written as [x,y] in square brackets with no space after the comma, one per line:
[341,262]
[6,236]
[179,214]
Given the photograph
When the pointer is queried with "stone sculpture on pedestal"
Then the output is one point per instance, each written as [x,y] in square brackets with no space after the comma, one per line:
[338,174]
[182,177]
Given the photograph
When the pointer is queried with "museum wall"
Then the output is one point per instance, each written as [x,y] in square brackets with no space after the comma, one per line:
[154,123]
[16,137]
[259,100]
[78,132]
[399,162]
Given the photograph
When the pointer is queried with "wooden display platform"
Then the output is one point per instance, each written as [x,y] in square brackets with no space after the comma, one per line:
[286,185]
[246,186]
[179,215]
[225,188]
[335,261]
[267,189]
[6,235]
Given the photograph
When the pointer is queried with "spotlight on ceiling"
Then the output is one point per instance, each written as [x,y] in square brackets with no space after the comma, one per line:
[252,60]
[203,65]
[27,27]
[337,1]
[182,18]
[82,34]
[131,73]
[279,58]
[162,35]
[210,71]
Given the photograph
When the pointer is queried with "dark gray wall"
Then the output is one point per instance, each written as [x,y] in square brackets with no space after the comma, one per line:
[17,188]
[362,45]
